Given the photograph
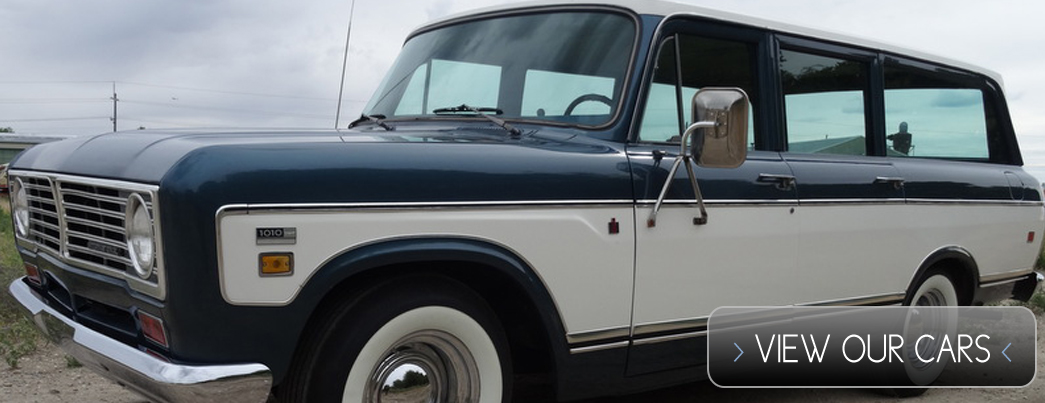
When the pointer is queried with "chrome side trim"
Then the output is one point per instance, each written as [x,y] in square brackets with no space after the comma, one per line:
[850,202]
[669,326]
[231,209]
[880,299]
[597,335]
[1002,278]
[329,207]
[972,202]
[151,377]
[673,337]
[696,327]
[722,202]
[600,347]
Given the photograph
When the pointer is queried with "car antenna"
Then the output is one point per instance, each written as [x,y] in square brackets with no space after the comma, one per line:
[344,65]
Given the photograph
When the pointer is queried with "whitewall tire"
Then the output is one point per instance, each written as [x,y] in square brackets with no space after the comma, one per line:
[448,348]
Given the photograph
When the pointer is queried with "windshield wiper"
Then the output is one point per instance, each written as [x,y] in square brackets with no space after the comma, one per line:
[375,119]
[481,111]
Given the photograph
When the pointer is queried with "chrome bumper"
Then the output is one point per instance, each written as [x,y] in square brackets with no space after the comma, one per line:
[158,380]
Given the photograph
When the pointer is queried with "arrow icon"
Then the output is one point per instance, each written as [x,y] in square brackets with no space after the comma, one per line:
[1002,353]
[742,352]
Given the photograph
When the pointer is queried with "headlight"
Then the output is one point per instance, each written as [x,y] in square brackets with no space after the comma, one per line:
[20,207]
[140,237]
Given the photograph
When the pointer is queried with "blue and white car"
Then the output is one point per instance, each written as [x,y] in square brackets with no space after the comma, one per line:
[565,189]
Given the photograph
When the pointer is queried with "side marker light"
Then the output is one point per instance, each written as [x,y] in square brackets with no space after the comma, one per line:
[152,328]
[275,264]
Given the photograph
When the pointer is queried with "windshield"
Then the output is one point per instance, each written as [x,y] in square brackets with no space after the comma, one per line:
[565,67]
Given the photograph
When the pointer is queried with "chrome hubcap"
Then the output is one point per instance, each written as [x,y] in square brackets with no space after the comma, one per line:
[426,366]
[926,321]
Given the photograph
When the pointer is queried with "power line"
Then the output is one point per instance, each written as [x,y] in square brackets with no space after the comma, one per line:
[54,119]
[186,124]
[57,82]
[204,108]
[175,87]
[52,100]
[254,94]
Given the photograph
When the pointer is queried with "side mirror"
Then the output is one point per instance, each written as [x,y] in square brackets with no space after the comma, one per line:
[722,113]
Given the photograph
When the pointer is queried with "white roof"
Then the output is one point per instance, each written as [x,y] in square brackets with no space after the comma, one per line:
[666,8]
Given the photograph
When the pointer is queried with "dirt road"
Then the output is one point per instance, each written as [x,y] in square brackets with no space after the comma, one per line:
[46,378]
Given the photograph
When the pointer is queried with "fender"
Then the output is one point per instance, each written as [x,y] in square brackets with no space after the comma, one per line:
[392,257]
[967,268]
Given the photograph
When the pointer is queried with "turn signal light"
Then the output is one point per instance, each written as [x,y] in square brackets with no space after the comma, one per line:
[276,264]
[152,328]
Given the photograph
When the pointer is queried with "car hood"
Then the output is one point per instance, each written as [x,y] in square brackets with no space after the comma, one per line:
[147,155]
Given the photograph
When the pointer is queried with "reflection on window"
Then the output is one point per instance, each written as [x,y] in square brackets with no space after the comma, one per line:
[451,84]
[824,101]
[931,117]
[548,93]
[520,64]
[705,63]
[414,97]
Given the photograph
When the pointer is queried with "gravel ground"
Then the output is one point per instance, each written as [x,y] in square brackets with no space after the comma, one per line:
[45,377]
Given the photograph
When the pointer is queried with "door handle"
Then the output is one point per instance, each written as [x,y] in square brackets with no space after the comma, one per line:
[897,182]
[783,182]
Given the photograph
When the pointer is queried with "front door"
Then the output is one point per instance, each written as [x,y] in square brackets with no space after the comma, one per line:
[746,252]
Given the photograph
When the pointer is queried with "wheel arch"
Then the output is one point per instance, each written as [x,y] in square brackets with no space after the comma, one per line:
[954,261]
[515,292]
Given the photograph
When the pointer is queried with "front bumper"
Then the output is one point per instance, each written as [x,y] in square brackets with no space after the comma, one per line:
[154,378]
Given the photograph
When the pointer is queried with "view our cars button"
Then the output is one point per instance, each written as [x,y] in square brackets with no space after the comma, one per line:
[871,347]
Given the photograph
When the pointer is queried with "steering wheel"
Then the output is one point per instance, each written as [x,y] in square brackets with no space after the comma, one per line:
[585,98]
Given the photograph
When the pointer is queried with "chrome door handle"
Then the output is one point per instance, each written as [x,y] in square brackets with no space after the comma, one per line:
[783,182]
[897,182]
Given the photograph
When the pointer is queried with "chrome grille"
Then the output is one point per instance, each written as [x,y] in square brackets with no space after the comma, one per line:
[94,220]
[80,221]
[44,222]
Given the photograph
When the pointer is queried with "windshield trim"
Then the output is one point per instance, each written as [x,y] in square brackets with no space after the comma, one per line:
[629,71]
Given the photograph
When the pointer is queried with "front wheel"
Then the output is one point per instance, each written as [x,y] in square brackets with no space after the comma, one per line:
[418,340]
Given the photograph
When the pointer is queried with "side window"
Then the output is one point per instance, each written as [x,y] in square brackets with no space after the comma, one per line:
[824,103]
[932,116]
[705,62]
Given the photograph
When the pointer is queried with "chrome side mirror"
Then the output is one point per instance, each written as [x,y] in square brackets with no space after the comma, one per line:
[718,139]
[722,113]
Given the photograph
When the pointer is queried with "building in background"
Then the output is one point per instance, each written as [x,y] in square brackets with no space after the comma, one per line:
[11,145]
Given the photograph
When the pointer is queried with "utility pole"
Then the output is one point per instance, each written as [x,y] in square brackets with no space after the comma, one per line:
[114,101]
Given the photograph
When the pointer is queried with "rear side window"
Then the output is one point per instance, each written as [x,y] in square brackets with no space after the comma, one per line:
[928,115]
[824,102]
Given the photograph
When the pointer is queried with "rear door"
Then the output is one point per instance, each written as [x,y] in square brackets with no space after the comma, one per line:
[852,209]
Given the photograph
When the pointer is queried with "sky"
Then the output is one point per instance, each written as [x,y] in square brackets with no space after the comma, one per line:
[277,63]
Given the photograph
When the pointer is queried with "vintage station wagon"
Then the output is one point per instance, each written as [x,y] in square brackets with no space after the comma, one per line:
[558,189]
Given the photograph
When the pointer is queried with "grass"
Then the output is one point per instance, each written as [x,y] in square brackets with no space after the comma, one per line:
[18,335]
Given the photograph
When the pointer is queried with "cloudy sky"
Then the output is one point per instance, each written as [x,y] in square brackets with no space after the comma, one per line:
[277,63]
